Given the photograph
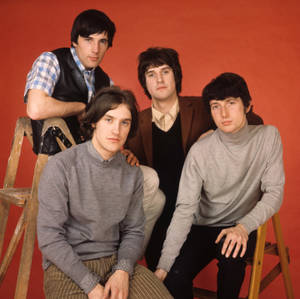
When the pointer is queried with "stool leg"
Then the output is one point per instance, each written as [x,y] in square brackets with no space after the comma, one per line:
[283,257]
[257,262]
[4,211]
[10,251]
[29,236]
[10,175]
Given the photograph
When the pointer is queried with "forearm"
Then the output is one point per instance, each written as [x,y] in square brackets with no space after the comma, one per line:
[63,256]
[263,210]
[42,106]
[132,231]
[272,186]
[186,206]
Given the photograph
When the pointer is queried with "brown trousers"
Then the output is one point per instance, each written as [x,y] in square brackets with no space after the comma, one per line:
[143,283]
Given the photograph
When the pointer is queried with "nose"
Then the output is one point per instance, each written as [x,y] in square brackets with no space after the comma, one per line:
[95,47]
[224,111]
[160,77]
[116,128]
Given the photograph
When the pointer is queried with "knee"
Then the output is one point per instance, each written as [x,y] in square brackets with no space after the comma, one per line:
[154,198]
[180,286]
[151,179]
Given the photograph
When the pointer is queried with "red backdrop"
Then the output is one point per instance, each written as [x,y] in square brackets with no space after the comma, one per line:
[259,40]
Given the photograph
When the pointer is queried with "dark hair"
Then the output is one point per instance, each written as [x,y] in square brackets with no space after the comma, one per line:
[106,99]
[224,86]
[92,21]
[154,57]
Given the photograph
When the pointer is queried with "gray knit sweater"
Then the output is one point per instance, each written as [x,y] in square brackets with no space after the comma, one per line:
[227,179]
[89,208]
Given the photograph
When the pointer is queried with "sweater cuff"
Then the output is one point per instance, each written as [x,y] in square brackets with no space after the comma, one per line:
[247,225]
[165,264]
[89,282]
[125,265]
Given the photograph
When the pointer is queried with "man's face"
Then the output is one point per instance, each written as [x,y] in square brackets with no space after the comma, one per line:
[111,131]
[90,50]
[160,82]
[229,114]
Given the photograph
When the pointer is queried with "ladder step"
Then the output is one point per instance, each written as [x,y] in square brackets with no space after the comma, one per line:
[16,196]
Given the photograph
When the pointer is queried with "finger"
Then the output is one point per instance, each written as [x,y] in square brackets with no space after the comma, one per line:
[106,291]
[226,244]
[221,234]
[124,294]
[114,293]
[236,250]
[244,248]
[227,247]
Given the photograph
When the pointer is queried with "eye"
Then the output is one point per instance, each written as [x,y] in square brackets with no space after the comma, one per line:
[108,119]
[126,123]
[214,107]
[87,39]
[166,71]
[104,41]
[149,74]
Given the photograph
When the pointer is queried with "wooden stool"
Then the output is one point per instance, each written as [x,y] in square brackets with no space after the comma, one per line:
[25,198]
[262,247]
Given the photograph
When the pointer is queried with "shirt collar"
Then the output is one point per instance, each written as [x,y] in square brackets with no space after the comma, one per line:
[157,116]
[79,64]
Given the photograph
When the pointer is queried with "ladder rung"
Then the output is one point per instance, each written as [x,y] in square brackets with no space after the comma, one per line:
[16,196]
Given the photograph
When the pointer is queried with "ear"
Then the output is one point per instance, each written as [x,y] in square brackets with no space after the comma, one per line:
[248,109]
[74,45]
[93,126]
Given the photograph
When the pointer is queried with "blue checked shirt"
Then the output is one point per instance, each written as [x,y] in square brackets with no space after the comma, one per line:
[45,72]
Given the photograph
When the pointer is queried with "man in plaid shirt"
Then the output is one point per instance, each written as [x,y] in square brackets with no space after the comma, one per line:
[62,82]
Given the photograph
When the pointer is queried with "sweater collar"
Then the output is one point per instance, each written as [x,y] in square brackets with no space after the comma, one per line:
[92,150]
[238,138]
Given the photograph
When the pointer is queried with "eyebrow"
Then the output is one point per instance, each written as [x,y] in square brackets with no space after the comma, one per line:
[108,115]
[151,69]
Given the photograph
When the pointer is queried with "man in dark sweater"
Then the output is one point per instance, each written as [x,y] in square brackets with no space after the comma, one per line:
[91,221]
[166,132]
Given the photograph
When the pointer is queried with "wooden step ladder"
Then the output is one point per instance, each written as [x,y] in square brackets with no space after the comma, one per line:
[25,198]
[257,285]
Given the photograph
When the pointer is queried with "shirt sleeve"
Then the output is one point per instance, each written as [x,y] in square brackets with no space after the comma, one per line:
[272,186]
[43,75]
[132,231]
[51,230]
[189,195]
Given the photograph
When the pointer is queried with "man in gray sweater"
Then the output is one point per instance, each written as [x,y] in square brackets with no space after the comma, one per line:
[91,220]
[232,182]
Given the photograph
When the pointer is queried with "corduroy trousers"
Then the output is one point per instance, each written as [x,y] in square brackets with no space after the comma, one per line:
[142,285]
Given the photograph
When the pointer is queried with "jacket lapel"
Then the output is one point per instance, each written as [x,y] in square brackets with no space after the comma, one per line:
[146,133]
[186,117]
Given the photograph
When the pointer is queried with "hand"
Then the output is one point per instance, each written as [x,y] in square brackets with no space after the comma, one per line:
[81,115]
[97,292]
[117,287]
[161,274]
[131,158]
[236,237]
[205,134]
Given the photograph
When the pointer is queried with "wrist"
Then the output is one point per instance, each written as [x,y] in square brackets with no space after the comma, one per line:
[242,227]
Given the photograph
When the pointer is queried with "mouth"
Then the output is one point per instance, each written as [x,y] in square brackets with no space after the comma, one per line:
[226,123]
[93,58]
[114,140]
[161,87]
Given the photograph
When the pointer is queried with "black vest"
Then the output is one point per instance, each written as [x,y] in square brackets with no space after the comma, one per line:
[70,87]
